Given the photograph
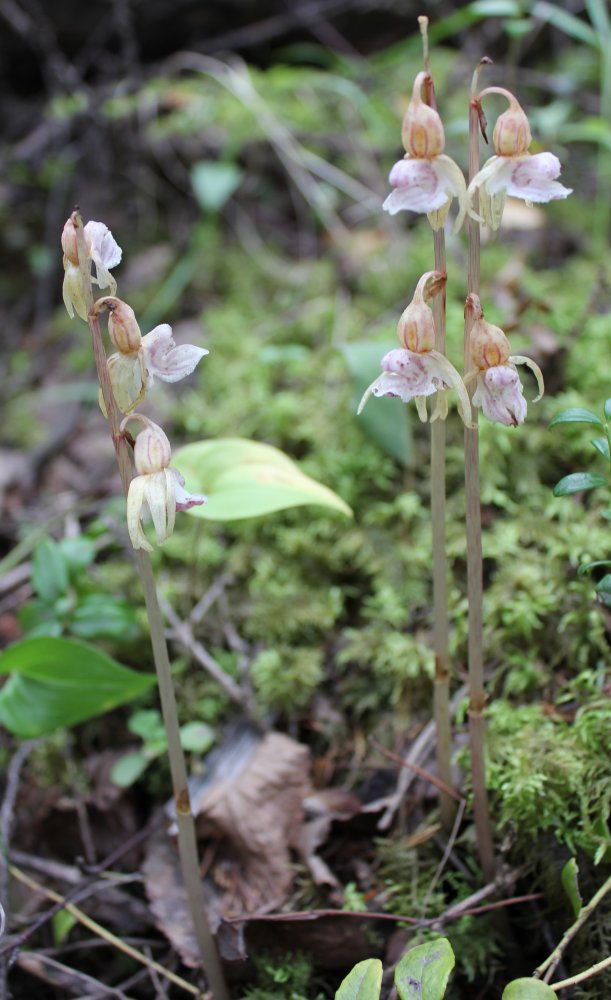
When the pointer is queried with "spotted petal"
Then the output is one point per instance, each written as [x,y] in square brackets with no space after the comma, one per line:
[533,178]
[499,393]
[185,500]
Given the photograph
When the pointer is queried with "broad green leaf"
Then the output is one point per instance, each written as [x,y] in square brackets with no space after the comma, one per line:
[578,482]
[147,724]
[100,616]
[213,183]
[570,884]
[607,409]
[128,769]
[423,973]
[602,447]
[603,589]
[247,479]
[576,415]
[363,982]
[586,567]
[528,989]
[60,682]
[196,737]
[386,421]
[49,571]
[567,23]
[78,552]
[39,618]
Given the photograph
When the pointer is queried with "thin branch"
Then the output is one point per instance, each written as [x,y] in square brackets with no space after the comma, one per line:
[553,960]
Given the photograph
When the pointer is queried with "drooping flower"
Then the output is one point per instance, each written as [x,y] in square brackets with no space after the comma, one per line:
[157,484]
[416,370]
[426,180]
[139,360]
[513,170]
[102,250]
[498,390]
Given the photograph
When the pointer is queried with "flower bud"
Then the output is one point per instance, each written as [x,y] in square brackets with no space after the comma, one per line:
[152,451]
[416,328]
[69,244]
[122,325]
[422,132]
[488,345]
[511,136]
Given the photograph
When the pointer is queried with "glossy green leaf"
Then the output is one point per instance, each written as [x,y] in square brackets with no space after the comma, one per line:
[602,447]
[247,479]
[578,482]
[576,415]
[363,982]
[386,421]
[603,589]
[423,973]
[214,183]
[49,571]
[528,989]
[607,409]
[60,682]
[570,884]
[101,616]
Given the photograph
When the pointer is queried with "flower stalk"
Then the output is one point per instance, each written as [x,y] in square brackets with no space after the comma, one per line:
[187,843]
[441,689]
[477,695]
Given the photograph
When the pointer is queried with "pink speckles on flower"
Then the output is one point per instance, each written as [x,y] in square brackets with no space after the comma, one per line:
[534,179]
[406,374]
[164,360]
[499,393]
[427,186]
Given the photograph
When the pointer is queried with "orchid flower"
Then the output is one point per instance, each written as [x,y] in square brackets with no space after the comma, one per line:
[157,484]
[139,360]
[105,253]
[426,180]
[416,370]
[498,390]
[513,170]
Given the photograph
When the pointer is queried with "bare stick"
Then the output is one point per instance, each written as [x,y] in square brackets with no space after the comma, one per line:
[187,843]
[477,697]
[441,690]
[552,961]
[586,974]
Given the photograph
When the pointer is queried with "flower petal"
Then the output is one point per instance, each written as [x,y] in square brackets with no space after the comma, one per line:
[156,496]
[496,165]
[72,291]
[104,249]
[135,499]
[185,500]
[533,178]
[128,379]
[451,377]
[418,374]
[452,181]
[520,359]
[499,393]
[416,187]
[162,358]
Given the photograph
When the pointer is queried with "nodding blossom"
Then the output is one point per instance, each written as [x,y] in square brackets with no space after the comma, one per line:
[498,390]
[105,253]
[139,360]
[416,370]
[513,170]
[157,484]
[426,180]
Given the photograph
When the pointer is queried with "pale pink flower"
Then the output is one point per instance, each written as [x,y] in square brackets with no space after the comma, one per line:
[513,171]
[157,485]
[416,370]
[498,388]
[102,250]
[426,180]
[164,360]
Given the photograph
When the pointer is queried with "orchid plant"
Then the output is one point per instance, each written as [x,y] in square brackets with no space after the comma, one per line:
[426,181]
[125,377]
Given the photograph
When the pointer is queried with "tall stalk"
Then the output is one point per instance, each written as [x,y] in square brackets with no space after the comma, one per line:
[441,690]
[187,843]
[477,695]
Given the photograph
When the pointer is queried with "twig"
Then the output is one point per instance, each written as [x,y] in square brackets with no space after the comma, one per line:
[63,977]
[477,696]
[102,932]
[551,962]
[419,771]
[6,822]
[586,974]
